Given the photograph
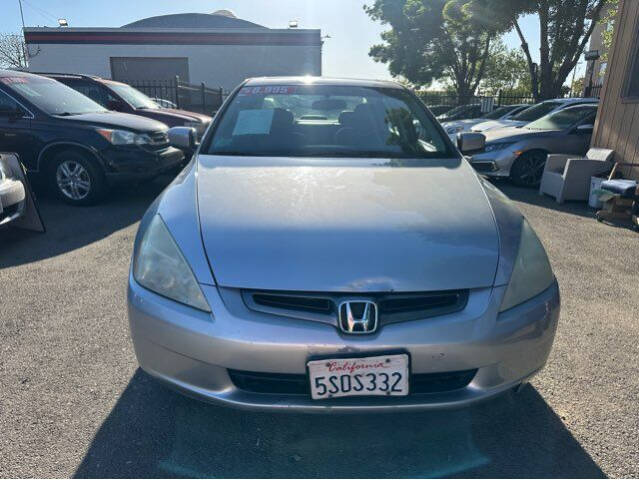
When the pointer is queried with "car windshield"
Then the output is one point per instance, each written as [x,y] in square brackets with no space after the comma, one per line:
[536,112]
[327,121]
[133,97]
[51,96]
[563,119]
[499,112]
[458,111]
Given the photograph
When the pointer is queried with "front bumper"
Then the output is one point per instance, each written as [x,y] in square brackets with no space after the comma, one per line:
[193,351]
[125,165]
[12,200]
[494,164]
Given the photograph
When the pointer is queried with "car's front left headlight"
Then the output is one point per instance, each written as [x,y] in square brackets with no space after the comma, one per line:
[532,273]
[124,137]
[159,266]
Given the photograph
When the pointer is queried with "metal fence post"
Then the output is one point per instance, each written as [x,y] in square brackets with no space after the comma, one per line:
[203,87]
[177,91]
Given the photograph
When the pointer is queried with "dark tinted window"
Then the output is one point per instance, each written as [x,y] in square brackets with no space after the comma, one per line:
[7,104]
[536,111]
[327,121]
[95,92]
[565,118]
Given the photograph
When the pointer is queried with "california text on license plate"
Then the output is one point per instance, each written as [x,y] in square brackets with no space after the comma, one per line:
[385,375]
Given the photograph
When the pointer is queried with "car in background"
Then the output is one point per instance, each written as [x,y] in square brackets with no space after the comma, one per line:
[500,113]
[120,97]
[77,147]
[164,103]
[533,113]
[251,285]
[519,153]
[440,109]
[462,112]
[13,194]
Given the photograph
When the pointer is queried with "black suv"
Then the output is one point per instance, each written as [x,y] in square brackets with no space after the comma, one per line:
[78,147]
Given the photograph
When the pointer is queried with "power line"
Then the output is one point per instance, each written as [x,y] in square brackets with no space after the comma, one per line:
[40,11]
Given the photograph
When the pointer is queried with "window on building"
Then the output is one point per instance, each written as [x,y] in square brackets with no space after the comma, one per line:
[632,86]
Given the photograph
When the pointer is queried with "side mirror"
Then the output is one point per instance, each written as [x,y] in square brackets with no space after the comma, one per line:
[470,142]
[184,138]
[588,128]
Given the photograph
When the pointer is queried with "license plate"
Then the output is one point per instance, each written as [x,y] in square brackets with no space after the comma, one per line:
[384,375]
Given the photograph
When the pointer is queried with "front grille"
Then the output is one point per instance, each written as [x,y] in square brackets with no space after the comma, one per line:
[484,166]
[291,384]
[309,304]
[392,308]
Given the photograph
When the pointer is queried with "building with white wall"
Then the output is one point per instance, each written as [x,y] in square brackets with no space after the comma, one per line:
[218,49]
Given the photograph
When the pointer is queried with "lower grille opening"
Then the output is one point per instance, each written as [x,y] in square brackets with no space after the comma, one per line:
[292,384]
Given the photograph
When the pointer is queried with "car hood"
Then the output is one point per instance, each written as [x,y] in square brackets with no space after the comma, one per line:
[174,117]
[117,120]
[465,124]
[332,225]
[513,134]
[493,124]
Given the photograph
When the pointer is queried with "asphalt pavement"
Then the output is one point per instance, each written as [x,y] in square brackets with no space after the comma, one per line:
[74,403]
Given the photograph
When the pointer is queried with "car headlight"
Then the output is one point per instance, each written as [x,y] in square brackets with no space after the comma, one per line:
[124,137]
[532,273]
[159,266]
[493,147]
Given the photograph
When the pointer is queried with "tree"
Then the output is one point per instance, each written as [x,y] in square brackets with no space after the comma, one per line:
[506,70]
[608,21]
[565,28]
[13,52]
[433,40]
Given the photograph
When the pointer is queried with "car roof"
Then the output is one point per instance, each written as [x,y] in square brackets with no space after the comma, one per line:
[574,100]
[307,80]
[594,106]
[15,73]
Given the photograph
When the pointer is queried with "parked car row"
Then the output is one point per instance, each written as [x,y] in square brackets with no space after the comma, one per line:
[79,146]
[517,139]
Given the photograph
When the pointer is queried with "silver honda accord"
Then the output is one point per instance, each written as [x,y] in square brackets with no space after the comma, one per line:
[329,249]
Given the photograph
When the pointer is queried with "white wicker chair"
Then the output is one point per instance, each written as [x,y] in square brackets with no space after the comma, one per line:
[567,177]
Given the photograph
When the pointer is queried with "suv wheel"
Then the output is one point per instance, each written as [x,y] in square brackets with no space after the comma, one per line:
[76,179]
[528,169]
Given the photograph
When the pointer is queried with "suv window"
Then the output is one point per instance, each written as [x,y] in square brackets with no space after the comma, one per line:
[93,91]
[8,104]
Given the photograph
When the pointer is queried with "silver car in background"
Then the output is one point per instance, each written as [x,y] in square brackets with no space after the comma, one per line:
[533,113]
[505,112]
[328,249]
[519,153]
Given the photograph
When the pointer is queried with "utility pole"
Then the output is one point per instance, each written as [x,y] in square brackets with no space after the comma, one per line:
[21,13]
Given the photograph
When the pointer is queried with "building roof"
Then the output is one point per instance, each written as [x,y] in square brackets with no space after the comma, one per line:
[219,19]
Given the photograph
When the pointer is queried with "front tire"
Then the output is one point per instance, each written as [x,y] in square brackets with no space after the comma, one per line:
[76,179]
[528,169]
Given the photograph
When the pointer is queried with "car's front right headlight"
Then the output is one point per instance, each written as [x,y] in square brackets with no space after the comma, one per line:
[532,273]
[159,266]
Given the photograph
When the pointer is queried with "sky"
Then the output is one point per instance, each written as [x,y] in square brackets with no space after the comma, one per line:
[345,54]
